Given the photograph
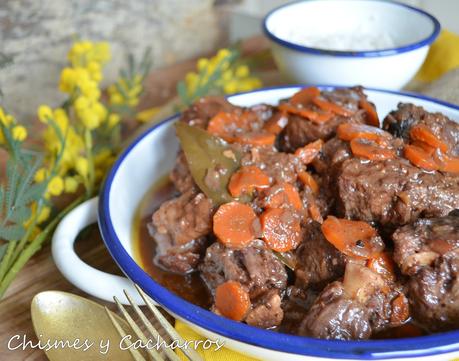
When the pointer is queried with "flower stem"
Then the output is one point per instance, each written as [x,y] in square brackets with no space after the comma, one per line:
[25,238]
[6,258]
[34,246]
[91,174]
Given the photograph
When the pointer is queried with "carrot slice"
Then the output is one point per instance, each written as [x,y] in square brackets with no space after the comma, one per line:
[309,151]
[370,150]
[305,96]
[400,309]
[445,163]
[256,139]
[246,179]
[224,124]
[316,117]
[308,180]
[284,195]
[233,224]
[372,116]
[281,229]
[429,149]
[332,107]
[353,238]
[314,212]
[349,131]
[424,134]
[383,264]
[232,301]
[420,158]
[276,123]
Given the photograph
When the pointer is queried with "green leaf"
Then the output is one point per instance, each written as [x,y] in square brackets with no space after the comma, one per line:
[12,232]
[131,65]
[121,89]
[12,174]
[3,248]
[21,214]
[181,90]
[32,193]
[210,159]
[2,198]
[26,191]
[146,62]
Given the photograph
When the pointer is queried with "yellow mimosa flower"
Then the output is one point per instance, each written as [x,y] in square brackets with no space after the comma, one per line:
[44,214]
[113,120]
[40,175]
[82,166]
[56,186]
[71,184]
[45,113]
[19,133]
[242,71]
[147,114]
[67,80]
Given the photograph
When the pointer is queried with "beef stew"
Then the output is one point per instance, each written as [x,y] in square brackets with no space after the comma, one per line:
[308,218]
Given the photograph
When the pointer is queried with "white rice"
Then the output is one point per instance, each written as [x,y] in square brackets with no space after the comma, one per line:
[360,37]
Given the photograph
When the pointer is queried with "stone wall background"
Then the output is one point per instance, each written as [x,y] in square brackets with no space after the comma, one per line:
[38,34]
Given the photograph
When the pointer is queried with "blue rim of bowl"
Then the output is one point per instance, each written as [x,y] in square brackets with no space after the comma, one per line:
[355,54]
[435,344]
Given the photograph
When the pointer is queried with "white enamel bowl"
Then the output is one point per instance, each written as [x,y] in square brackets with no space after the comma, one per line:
[412,30]
[151,156]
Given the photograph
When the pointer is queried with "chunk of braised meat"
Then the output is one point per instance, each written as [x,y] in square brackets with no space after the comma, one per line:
[400,122]
[180,226]
[336,316]
[181,258]
[428,252]
[257,269]
[300,131]
[200,112]
[185,218]
[327,164]
[266,310]
[181,176]
[318,262]
[281,167]
[297,301]
[393,192]
[334,152]
[362,304]
[434,293]
[419,244]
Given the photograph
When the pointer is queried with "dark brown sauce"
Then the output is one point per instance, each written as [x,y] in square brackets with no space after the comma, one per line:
[190,287]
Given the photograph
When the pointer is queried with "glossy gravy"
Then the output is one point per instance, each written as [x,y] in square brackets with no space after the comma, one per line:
[190,287]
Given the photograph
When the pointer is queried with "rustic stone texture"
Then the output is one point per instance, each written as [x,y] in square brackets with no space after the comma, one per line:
[38,34]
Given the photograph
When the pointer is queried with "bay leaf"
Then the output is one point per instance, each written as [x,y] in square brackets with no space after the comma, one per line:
[211,161]
[287,258]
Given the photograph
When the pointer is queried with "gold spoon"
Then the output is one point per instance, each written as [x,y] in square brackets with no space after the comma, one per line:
[82,325]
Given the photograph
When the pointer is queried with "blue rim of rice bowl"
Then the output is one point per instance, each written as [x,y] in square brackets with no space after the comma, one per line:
[357,54]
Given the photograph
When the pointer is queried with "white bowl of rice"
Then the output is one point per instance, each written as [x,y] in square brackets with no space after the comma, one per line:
[374,43]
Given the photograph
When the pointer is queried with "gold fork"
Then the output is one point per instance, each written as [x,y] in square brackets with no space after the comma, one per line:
[191,354]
